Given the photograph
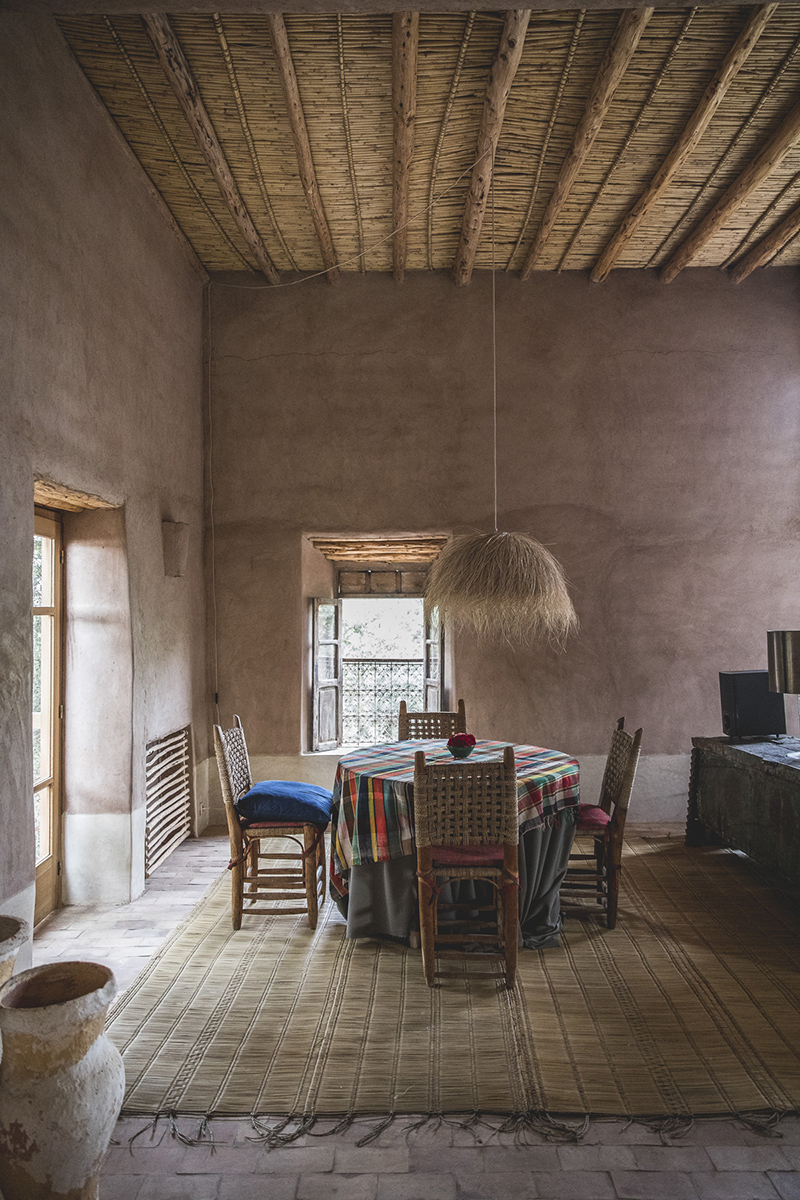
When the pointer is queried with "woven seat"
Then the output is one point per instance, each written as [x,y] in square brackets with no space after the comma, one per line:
[426,726]
[465,827]
[252,883]
[605,823]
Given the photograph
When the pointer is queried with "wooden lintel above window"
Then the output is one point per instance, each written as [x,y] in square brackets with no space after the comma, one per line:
[57,495]
[380,550]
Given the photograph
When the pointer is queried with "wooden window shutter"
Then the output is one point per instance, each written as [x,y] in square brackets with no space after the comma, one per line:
[434,646]
[327,674]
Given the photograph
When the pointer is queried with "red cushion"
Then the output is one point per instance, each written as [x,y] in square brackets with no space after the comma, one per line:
[466,856]
[272,824]
[591,817]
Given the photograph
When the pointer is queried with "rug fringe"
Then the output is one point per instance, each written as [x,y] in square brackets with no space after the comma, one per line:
[276,1131]
[764,1124]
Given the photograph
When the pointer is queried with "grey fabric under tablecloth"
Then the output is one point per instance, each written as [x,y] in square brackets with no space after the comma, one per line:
[382,899]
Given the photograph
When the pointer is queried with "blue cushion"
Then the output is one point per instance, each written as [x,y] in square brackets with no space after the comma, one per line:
[281,800]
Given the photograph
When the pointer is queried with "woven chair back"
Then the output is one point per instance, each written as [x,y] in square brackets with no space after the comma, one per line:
[466,803]
[426,726]
[233,761]
[620,772]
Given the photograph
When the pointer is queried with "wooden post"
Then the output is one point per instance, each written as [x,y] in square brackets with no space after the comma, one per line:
[405,43]
[176,68]
[501,76]
[297,120]
[687,142]
[622,47]
[751,178]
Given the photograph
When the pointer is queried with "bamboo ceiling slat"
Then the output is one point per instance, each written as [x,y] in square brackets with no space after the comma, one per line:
[200,42]
[344,72]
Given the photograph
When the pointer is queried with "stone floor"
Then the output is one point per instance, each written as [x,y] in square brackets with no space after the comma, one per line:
[714,1160]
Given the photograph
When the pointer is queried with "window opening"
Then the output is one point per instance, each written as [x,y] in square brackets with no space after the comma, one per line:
[383,656]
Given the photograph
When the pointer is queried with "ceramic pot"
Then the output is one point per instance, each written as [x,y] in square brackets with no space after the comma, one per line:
[61,1081]
[14,933]
[461,751]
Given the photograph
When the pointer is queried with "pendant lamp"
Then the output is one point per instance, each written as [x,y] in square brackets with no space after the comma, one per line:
[501,585]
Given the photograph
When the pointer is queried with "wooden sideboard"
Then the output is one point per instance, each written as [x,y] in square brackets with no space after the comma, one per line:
[748,794]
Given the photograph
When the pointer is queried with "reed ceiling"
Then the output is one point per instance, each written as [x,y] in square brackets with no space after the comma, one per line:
[344,72]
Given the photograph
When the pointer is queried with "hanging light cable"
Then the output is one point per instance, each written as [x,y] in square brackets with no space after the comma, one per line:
[501,585]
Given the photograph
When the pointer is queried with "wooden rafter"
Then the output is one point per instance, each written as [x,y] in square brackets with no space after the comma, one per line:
[751,178]
[580,17]
[501,77]
[621,49]
[687,142]
[176,68]
[630,136]
[768,247]
[405,44]
[297,121]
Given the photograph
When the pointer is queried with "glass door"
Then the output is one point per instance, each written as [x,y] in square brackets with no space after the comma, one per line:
[47,711]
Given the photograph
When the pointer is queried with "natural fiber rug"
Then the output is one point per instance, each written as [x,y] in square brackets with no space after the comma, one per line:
[690,1006]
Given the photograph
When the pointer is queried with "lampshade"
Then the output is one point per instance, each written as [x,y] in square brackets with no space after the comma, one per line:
[503,585]
[783,647]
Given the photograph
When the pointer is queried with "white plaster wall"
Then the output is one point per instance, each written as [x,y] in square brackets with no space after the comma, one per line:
[101,344]
[104,853]
[21,905]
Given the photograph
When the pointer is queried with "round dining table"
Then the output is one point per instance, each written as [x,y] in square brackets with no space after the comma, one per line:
[373,855]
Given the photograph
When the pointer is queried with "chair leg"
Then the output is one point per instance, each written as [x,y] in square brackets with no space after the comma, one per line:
[323,863]
[237,894]
[427,914]
[252,864]
[310,873]
[600,858]
[508,899]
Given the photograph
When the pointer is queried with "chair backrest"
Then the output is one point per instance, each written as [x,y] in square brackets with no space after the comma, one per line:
[620,772]
[233,762]
[466,803]
[423,726]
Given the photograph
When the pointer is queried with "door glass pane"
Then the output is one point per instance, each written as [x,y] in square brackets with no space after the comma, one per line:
[42,698]
[327,662]
[43,554]
[327,622]
[42,819]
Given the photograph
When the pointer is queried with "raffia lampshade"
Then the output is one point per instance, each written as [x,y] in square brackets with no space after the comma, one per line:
[502,585]
[783,647]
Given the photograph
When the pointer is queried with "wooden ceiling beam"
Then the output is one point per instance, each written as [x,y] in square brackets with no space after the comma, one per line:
[751,178]
[687,142]
[768,247]
[297,121]
[405,45]
[621,49]
[84,8]
[501,77]
[179,75]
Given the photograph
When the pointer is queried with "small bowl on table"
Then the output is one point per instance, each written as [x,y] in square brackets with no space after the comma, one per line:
[461,745]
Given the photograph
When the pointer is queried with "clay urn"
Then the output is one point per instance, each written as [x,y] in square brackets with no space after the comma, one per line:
[61,1081]
[14,933]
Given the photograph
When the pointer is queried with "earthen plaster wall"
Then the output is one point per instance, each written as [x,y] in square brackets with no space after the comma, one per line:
[101,321]
[649,434]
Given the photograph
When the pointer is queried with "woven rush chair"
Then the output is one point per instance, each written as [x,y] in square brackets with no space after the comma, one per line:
[252,884]
[465,827]
[605,823]
[425,726]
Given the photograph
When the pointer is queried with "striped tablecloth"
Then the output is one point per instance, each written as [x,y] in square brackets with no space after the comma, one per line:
[373,796]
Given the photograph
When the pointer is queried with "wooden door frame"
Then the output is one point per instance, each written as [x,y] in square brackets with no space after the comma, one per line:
[48,523]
